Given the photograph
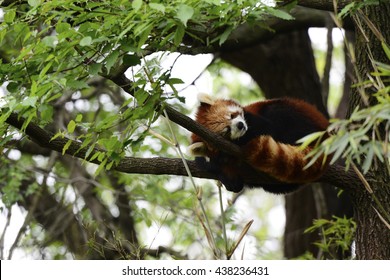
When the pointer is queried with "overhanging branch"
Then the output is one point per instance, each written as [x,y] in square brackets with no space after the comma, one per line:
[154,166]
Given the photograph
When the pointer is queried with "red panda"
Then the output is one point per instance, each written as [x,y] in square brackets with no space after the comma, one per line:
[267,132]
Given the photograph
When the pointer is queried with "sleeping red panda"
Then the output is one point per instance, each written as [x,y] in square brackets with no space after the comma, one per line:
[267,132]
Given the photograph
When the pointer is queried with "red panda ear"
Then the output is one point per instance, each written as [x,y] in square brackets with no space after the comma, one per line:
[205,99]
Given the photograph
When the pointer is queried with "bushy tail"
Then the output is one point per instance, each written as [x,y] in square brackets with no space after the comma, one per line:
[282,161]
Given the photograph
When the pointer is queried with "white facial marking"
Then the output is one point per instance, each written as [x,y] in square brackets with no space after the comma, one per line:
[235,109]
[238,125]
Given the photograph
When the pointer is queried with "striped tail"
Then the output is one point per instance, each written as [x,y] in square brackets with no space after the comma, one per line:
[282,161]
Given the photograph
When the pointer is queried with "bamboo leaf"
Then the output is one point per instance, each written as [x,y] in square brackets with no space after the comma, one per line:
[185,13]
[71,126]
[66,146]
[136,4]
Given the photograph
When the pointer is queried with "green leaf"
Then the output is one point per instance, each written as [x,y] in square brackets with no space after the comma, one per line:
[46,112]
[79,118]
[66,146]
[10,16]
[13,87]
[179,34]
[185,13]
[58,134]
[101,156]
[45,69]
[86,41]
[111,59]
[225,35]
[34,3]
[100,168]
[90,150]
[137,4]
[30,101]
[386,49]
[131,60]
[175,81]
[309,139]
[280,14]
[62,27]
[95,68]
[157,7]
[3,32]
[214,2]
[71,126]
[341,144]
[109,165]
[50,41]
[347,9]
[95,155]
[75,84]
[144,35]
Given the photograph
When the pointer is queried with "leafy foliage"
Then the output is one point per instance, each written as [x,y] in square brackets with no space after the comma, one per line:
[56,47]
[354,6]
[337,235]
[358,139]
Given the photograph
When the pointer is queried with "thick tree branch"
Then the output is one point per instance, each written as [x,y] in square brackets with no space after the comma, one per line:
[248,35]
[156,166]
[164,166]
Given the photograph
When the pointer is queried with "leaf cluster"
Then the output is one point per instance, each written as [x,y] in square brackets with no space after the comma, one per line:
[354,6]
[337,234]
[55,48]
[363,138]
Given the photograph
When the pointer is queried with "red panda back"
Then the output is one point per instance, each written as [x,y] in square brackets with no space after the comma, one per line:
[277,153]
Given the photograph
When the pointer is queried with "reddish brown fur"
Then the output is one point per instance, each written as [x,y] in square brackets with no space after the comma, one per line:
[212,117]
[282,161]
[300,106]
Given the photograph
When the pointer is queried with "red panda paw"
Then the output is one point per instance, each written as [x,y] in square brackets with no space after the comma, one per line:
[198,149]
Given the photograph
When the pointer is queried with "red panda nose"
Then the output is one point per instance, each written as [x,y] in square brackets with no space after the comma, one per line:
[240,125]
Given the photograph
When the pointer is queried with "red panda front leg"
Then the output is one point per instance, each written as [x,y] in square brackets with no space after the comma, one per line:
[225,167]
[282,161]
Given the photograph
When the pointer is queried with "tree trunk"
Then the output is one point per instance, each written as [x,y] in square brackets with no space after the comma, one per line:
[372,236]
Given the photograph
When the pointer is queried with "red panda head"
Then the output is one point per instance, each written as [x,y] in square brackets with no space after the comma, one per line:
[222,116]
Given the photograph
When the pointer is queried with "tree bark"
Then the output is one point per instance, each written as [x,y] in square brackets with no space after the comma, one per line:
[372,236]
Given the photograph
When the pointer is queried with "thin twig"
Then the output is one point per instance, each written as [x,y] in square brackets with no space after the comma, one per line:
[219,184]
[198,190]
[2,239]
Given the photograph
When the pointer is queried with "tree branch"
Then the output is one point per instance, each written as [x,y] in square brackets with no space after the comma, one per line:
[155,166]
[164,166]
[325,5]
[248,35]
